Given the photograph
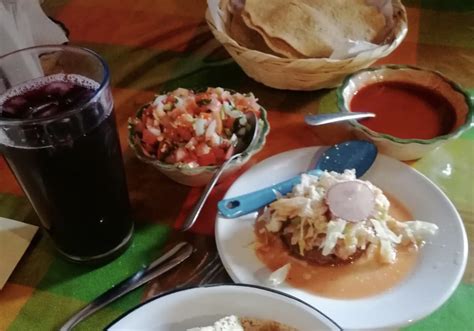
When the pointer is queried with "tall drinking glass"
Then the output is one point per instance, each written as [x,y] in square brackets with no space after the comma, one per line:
[59,137]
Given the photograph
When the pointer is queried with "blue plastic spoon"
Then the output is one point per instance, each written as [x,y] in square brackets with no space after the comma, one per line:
[353,154]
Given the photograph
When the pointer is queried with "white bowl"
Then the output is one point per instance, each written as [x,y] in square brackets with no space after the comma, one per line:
[201,306]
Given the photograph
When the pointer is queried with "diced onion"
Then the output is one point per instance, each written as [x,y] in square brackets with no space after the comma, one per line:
[279,276]
[199,126]
[211,129]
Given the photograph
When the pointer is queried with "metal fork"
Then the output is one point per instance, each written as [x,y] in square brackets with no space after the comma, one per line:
[203,275]
[209,272]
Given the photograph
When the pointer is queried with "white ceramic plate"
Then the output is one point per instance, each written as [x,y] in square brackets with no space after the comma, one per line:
[202,306]
[439,267]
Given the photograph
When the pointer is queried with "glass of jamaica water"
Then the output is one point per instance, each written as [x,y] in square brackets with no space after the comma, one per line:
[58,135]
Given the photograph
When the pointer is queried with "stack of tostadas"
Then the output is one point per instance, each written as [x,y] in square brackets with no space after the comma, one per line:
[304,28]
[288,44]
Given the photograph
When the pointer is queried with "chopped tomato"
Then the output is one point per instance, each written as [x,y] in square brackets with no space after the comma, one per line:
[229,122]
[207,159]
[184,133]
[220,154]
[148,137]
[165,121]
[170,99]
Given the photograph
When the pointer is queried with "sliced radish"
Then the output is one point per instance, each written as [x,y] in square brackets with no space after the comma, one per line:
[352,201]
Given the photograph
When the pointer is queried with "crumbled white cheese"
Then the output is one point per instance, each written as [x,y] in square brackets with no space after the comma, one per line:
[228,323]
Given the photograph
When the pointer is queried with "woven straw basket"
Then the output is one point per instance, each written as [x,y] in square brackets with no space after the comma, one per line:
[305,74]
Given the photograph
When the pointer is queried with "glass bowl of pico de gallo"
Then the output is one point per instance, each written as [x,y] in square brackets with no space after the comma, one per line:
[186,134]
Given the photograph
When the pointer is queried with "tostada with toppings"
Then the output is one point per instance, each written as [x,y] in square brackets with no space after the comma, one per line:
[335,218]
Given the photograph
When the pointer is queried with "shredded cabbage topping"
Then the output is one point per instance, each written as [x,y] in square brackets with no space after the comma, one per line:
[304,214]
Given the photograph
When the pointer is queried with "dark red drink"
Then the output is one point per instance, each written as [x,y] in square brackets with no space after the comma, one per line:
[68,161]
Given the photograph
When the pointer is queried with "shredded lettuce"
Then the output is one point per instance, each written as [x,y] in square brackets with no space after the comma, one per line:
[333,234]
[305,214]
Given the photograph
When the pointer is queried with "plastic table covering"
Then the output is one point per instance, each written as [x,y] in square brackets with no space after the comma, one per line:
[160,45]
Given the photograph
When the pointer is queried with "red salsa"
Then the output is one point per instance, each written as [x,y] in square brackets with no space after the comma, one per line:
[405,110]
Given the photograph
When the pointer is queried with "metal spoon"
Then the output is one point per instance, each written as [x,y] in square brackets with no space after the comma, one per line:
[321,119]
[354,154]
[243,144]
